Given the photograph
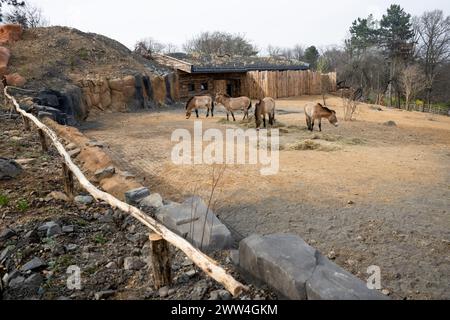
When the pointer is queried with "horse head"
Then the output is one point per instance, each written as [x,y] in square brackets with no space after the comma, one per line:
[333,119]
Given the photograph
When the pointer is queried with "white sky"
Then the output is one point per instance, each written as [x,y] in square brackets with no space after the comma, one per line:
[278,22]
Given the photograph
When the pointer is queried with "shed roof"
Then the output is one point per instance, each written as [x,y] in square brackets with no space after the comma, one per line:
[227,64]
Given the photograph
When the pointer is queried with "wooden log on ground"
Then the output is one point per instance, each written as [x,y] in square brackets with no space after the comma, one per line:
[160,261]
[205,263]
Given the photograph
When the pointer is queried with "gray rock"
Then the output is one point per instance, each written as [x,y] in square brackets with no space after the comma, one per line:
[9,169]
[6,253]
[105,173]
[111,265]
[71,247]
[163,292]
[32,236]
[34,264]
[133,197]
[86,200]
[68,229]
[193,221]
[16,282]
[284,261]
[104,294]
[54,230]
[74,153]
[234,255]
[133,263]
[199,290]
[331,282]
[6,234]
[10,276]
[220,295]
[58,250]
[47,225]
[153,201]
[34,281]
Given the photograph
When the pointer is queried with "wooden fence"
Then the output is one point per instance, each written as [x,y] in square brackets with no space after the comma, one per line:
[160,235]
[284,84]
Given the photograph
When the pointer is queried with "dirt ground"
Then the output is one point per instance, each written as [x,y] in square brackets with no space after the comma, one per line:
[364,193]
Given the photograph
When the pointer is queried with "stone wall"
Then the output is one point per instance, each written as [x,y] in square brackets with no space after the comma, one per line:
[129,93]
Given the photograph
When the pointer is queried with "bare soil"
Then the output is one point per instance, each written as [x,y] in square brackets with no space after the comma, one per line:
[364,193]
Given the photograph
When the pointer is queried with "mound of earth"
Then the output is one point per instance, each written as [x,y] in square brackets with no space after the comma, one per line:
[92,72]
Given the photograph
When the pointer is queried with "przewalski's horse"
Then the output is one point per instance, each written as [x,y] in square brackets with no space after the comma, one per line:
[262,108]
[317,111]
[199,102]
[234,104]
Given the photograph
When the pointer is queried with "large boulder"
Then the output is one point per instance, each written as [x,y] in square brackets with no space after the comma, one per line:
[10,33]
[9,169]
[196,223]
[5,55]
[297,271]
[15,80]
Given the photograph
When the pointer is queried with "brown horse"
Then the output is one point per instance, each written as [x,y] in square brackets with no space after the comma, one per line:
[315,112]
[199,102]
[234,104]
[263,107]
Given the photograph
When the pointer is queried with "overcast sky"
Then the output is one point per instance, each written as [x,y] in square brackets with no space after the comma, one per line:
[278,22]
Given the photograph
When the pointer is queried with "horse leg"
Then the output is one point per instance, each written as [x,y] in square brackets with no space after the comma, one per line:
[320,125]
[196,112]
[312,125]
[264,120]
[308,122]
[228,116]
[234,119]
[207,114]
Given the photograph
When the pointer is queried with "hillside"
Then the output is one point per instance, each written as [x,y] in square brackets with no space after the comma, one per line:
[87,73]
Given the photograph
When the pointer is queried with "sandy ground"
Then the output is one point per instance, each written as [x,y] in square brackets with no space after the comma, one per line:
[368,194]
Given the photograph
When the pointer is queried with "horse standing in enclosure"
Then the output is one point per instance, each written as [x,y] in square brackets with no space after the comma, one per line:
[315,112]
[262,108]
[234,104]
[199,102]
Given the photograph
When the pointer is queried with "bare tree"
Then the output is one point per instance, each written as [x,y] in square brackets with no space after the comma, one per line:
[28,16]
[170,48]
[433,30]
[148,46]
[413,82]
[220,43]
[298,52]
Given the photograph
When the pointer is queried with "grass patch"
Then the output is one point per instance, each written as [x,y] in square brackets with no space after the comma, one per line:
[23,205]
[4,200]
[99,239]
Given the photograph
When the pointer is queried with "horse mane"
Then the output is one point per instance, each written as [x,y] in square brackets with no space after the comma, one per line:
[189,102]
[326,108]
[226,95]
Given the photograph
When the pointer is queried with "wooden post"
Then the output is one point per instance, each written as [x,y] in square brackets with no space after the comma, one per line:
[43,140]
[160,261]
[69,186]
[26,123]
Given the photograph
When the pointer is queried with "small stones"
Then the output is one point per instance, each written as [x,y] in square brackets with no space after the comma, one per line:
[111,265]
[6,234]
[133,263]
[331,255]
[350,202]
[84,200]
[220,295]
[68,229]
[163,292]
[9,169]
[386,292]
[191,273]
[58,196]
[102,295]
[74,153]
[153,201]
[71,247]
[53,230]
[105,173]
[34,264]
[133,197]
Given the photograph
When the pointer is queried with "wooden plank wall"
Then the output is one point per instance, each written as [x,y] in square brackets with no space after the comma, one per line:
[284,84]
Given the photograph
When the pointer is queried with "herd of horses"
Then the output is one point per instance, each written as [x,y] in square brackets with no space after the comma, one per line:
[263,108]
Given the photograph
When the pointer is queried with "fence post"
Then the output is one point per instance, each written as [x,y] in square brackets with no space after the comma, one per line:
[160,261]
[43,140]
[69,186]
[26,123]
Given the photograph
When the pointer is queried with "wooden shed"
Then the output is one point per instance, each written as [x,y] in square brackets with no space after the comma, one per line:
[255,77]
